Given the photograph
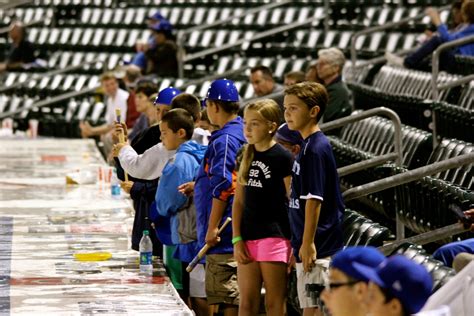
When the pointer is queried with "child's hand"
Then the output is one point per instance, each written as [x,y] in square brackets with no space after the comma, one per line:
[187,188]
[241,254]
[291,264]
[116,149]
[307,255]
[86,129]
[470,213]
[211,237]
[126,186]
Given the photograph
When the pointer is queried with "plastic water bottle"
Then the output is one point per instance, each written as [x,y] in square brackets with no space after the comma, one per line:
[115,184]
[146,251]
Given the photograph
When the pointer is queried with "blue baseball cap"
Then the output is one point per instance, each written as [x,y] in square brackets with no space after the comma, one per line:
[156,16]
[223,90]
[344,260]
[285,134]
[405,279]
[166,95]
[162,26]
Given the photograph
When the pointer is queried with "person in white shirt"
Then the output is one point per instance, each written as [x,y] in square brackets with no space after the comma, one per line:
[116,98]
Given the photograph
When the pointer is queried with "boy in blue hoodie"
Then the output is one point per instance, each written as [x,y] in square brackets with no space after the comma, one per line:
[214,192]
[177,128]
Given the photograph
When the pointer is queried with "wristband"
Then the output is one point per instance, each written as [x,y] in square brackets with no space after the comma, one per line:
[236,239]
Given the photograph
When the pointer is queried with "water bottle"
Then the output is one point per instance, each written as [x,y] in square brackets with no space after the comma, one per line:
[146,251]
[115,184]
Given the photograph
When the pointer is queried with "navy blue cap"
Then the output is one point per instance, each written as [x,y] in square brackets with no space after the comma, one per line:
[405,279]
[156,16]
[344,260]
[287,135]
[162,26]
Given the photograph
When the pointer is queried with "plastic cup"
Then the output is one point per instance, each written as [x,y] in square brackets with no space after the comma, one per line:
[33,124]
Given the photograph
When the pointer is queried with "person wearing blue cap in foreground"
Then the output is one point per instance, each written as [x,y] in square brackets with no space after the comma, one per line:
[346,291]
[397,287]
[214,193]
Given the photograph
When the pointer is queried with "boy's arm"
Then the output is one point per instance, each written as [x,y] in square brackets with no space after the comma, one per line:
[307,251]
[217,211]
[168,199]
[148,165]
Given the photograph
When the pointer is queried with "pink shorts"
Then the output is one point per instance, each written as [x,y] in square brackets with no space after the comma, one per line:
[273,249]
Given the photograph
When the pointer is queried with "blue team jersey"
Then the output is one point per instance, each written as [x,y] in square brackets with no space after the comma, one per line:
[314,176]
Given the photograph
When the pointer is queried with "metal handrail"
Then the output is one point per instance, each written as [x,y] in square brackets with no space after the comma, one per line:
[255,37]
[381,28]
[181,34]
[14,4]
[7,28]
[225,74]
[435,88]
[52,100]
[397,139]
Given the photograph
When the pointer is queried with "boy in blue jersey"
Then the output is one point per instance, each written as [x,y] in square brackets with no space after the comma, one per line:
[316,205]
[214,193]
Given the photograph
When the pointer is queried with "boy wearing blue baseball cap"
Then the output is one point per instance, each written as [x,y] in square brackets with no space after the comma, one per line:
[346,290]
[397,287]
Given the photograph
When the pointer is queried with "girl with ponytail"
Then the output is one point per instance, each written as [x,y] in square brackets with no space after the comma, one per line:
[261,229]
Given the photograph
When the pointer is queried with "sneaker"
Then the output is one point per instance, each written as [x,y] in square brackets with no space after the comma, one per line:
[394,60]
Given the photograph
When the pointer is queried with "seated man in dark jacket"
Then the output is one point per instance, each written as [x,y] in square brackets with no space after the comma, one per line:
[329,68]
[21,51]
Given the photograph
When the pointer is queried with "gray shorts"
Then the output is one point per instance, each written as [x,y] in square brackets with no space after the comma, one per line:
[318,276]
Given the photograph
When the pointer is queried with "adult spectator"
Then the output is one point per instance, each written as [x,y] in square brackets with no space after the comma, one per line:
[347,289]
[293,77]
[131,77]
[116,98]
[141,46]
[397,287]
[21,51]
[264,85]
[447,61]
[329,68]
[162,59]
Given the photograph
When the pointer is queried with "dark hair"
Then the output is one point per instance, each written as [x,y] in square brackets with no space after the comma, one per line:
[188,102]
[467,10]
[312,94]
[177,119]
[388,296]
[227,106]
[204,116]
[148,88]
[266,72]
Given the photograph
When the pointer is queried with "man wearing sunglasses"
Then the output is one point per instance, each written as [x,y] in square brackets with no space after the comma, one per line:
[346,290]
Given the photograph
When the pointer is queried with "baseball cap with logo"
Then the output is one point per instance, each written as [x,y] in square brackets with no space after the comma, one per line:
[405,279]
[345,260]
[285,134]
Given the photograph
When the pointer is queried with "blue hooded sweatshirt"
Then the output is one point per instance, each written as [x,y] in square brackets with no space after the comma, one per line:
[172,205]
[216,179]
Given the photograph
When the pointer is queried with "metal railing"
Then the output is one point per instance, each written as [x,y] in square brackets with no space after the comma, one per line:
[180,36]
[435,73]
[374,29]
[405,177]
[396,155]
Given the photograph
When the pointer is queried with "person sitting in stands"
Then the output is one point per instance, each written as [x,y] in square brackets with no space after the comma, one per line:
[329,69]
[162,59]
[447,61]
[21,51]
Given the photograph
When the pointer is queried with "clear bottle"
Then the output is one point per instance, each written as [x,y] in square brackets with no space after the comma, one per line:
[115,184]
[146,252]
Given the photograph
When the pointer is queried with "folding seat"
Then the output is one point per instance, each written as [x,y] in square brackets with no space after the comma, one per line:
[174,16]
[68,82]
[277,16]
[109,37]
[121,38]
[129,18]
[66,34]
[133,36]
[83,110]
[291,15]
[98,112]
[141,14]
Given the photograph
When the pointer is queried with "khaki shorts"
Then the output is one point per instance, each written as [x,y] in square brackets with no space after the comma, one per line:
[318,275]
[221,279]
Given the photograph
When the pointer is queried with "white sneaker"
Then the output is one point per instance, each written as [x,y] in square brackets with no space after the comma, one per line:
[394,60]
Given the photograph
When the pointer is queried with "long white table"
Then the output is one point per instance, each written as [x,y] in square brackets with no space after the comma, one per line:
[44,222]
